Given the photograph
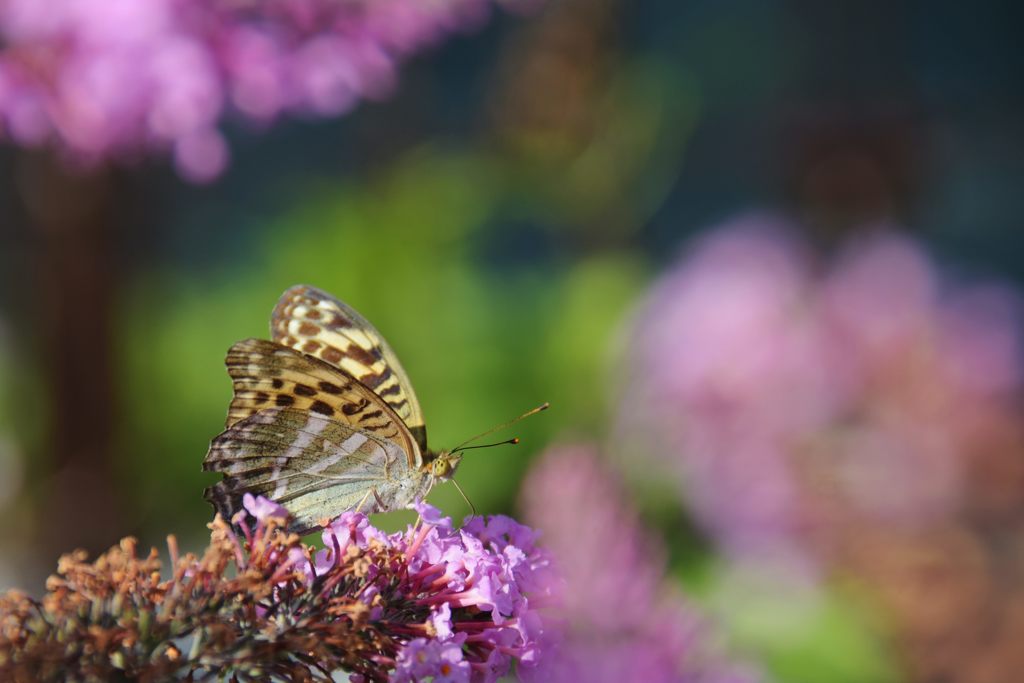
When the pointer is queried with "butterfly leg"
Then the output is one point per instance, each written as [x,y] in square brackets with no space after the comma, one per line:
[365,498]
[376,496]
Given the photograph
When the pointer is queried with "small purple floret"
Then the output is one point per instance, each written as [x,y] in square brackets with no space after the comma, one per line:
[261,508]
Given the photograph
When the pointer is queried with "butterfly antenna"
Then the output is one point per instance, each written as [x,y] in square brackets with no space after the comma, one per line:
[464,497]
[528,413]
[512,441]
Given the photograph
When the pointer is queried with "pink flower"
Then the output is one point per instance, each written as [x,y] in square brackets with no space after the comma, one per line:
[261,508]
[439,661]
[380,609]
[441,621]
[431,515]
[114,79]
[621,620]
[790,396]
[472,590]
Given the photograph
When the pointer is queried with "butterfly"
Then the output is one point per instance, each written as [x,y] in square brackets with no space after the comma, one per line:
[323,419]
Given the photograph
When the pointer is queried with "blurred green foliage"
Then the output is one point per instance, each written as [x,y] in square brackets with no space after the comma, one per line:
[802,634]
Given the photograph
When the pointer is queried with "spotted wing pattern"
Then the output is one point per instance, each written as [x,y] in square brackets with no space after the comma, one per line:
[268,375]
[312,321]
[315,466]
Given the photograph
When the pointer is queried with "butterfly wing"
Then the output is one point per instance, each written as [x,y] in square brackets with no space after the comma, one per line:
[268,375]
[312,321]
[315,466]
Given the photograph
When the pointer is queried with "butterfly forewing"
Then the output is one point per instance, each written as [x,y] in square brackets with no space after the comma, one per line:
[316,466]
[268,375]
[315,323]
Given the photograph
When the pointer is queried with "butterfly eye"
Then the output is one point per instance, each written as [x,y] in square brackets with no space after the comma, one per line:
[440,467]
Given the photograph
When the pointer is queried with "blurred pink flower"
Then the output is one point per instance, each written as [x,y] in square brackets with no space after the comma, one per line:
[791,397]
[623,622]
[102,79]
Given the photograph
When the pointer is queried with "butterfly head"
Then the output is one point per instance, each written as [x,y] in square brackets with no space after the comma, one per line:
[442,465]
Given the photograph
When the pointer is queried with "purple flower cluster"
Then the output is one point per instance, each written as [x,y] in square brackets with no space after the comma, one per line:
[479,589]
[793,398]
[101,79]
[622,621]
[257,604]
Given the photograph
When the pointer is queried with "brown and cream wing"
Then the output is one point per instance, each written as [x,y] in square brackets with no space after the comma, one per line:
[314,322]
[268,375]
[315,466]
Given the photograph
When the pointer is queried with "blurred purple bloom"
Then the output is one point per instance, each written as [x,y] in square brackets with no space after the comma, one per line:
[102,79]
[622,621]
[790,397]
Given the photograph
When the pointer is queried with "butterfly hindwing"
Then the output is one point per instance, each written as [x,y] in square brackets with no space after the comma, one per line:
[268,375]
[316,466]
[315,323]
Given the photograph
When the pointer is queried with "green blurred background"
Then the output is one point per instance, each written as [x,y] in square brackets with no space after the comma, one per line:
[496,219]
